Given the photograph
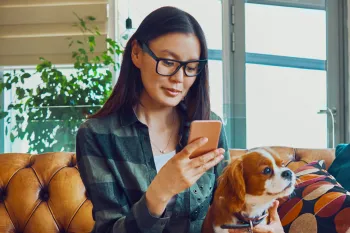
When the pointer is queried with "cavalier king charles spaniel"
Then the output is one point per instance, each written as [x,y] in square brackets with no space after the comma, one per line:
[246,190]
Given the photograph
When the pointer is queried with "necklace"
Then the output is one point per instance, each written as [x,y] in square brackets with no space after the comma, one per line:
[172,132]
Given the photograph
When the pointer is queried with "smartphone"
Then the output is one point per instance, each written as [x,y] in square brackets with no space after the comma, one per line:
[210,129]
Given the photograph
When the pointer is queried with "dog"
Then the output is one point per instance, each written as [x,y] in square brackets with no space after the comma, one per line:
[246,190]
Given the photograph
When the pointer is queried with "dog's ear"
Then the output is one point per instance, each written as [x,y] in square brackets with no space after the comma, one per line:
[231,187]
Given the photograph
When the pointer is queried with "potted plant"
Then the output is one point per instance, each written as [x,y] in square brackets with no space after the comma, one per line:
[49,115]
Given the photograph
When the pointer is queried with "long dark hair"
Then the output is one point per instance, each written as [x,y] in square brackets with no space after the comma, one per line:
[129,86]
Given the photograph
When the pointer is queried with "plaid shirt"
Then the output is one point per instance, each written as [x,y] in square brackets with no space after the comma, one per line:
[116,165]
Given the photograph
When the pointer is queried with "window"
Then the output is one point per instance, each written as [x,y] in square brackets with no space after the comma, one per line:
[286,78]
[286,31]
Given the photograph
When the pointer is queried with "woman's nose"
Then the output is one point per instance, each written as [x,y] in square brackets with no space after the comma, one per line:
[179,75]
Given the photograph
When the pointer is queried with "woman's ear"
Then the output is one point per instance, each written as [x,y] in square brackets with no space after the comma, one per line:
[231,187]
[136,51]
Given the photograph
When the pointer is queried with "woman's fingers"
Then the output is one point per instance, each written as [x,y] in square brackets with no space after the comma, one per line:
[273,211]
[203,159]
[275,225]
[263,229]
[206,166]
[190,148]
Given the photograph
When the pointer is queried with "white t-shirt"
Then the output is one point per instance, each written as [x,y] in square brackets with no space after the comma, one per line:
[160,161]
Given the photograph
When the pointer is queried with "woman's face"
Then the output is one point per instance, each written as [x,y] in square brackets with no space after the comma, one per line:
[166,91]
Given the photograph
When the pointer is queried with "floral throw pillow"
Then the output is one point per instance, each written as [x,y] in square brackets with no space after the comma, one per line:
[319,203]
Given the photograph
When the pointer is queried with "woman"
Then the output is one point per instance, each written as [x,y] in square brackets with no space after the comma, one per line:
[132,154]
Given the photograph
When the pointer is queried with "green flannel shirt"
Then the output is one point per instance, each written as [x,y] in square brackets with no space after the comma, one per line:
[116,165]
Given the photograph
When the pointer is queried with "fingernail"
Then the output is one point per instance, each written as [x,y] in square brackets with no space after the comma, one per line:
[220,151]
[204,139]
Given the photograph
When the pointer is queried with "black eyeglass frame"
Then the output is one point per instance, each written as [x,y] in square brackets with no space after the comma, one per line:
[202,62]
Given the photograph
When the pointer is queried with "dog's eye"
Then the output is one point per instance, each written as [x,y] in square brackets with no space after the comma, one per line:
[267,171]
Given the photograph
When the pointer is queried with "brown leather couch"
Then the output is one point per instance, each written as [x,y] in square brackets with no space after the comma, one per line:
[44,193]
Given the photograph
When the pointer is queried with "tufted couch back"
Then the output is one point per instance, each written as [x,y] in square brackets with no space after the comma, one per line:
[295,157]
[43,193]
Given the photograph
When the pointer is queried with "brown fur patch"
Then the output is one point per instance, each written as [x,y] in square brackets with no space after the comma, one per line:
[254,164]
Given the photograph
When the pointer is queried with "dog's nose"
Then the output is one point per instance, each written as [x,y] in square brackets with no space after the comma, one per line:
[287,175]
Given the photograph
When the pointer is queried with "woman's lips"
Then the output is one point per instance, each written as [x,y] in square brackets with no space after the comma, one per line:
[172,92]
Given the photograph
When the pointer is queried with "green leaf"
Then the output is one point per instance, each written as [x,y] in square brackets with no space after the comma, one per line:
[12,137]
[91,18]
[14,80]
[26,75]
[20,93]
[3,115]
[83,24]
[82,51]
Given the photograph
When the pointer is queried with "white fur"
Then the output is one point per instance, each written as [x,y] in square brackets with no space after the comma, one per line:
[220,230]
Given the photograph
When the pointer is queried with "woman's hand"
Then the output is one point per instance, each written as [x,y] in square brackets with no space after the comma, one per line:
[275,225]
[178,174]
[237,231]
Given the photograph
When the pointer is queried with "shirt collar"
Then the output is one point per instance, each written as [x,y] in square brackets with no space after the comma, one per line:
[127,116]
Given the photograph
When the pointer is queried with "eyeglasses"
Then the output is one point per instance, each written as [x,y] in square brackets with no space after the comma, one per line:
[168,67]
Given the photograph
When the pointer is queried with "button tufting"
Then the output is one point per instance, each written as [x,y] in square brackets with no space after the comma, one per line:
[44,194]
[71,164]
[30,164]
[2,195]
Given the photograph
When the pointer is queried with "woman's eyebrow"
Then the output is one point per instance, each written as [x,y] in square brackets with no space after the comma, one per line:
[177,57]
[171,53]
